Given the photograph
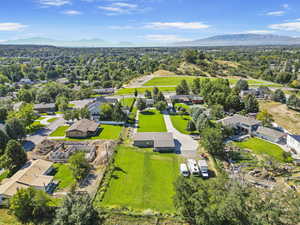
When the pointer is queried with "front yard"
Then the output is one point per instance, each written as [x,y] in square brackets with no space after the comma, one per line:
[64,175]
[142,180]
[180,123]
[151,121]
[259,146]
[107,132]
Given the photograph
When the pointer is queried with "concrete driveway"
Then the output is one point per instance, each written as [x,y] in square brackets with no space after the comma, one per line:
[185,144]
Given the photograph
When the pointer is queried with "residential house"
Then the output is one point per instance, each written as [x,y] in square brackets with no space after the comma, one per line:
[34,174]
[95,106]
[82,129]
[242,123]
[104,91]
[45,107]
[187,99]
[270,134]
[160,141]
[62,154]
[260,92]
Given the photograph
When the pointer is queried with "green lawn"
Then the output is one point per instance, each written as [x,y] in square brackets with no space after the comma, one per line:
[167,81]
[127,102]
[7,219]
[151,121]
[40,118]
[59,132]
[180,123]
[64,175]
[259,146]
[107,132]
[127,91]
[52,120]
[142,180]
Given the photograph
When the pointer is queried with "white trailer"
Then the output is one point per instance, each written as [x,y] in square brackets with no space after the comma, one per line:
[193,167]
[203,168]
[184,170]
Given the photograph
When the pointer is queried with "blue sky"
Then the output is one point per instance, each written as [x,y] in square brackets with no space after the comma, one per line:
[146,20]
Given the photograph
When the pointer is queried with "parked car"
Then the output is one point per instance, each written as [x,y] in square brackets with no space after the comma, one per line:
[184,170]
[203,168]
[193,167]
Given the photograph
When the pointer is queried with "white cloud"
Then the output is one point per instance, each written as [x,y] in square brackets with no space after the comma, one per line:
[165,38]
[285,6]
[259,31]
[3,41]
[291,26]
[118,8]
[54,2]
[11,26]
[72,12]
[122,27]
[177,25]
[275,13]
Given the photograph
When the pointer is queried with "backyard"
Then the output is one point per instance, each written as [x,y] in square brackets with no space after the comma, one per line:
[151,121]
[259,147]
[142,180]
[64,176]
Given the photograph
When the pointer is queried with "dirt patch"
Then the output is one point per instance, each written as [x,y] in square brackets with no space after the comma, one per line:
[228,63]
[164,73]
[287,118]
[104,150]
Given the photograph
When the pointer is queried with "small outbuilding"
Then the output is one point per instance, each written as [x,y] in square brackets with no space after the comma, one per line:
[271,134]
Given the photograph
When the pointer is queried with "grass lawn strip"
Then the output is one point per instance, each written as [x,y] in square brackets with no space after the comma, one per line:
[59,132]
[127,102]
[52,119]
[259,146]
[180,123]
[151,121]
[142,180]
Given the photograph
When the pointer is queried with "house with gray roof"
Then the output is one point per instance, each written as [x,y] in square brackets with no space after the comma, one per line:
[240,122]
[270,134]
[160,141]
[45,107]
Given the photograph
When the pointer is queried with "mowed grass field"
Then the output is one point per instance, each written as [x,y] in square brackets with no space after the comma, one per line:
[130,91]
[142,180]
[151,121]
[64,175]
[259,146]
[180,123]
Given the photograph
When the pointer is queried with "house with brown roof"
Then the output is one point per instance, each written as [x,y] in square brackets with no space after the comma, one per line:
[160,141]
[82,129]
[34,174]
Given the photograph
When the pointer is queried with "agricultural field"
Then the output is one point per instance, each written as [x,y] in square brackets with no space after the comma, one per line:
[142,180]
[287,118]
[151,121]
[262,147]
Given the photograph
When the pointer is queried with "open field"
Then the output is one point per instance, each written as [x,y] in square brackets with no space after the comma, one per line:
[287,118]
[64,176]
[175,80]
[106,132]
[180,123]
[151,121]
[259,146]
[142,180]
[130,91]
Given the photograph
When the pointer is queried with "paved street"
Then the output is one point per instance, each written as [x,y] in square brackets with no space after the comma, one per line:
[40,135]
[185,144]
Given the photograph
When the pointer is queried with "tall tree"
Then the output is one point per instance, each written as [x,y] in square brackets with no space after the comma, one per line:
[15,128]
[251,104]
[31,206]
[279,96]
[196,86]
[77,208]
[265,117]
[3,141]
[14,157]
[79,165]
[241,85]
[141,104]
[212,140]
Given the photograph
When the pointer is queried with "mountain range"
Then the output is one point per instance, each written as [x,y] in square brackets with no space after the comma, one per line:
[219,40]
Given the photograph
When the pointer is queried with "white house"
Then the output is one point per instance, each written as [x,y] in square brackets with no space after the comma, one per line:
[293,142]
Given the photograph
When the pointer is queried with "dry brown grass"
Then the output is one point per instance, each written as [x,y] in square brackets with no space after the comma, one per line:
[164,73]
[283,116]
[228,63]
